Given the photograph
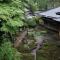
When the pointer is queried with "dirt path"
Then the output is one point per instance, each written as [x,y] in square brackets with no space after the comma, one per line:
[39,41]
[19,38]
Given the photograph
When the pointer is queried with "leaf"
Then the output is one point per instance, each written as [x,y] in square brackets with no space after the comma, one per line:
[15,23]
[4,28]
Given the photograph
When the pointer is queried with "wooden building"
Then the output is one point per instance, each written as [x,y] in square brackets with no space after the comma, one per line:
[51,19]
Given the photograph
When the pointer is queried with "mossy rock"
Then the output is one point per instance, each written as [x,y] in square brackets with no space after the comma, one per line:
[27,48]
[24,48]
[32,45]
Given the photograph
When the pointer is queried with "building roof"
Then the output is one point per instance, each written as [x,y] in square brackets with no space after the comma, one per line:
[51,14]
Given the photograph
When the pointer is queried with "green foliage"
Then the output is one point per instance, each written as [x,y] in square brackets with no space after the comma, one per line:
[37,33]
[7,52]
[31,5]
[41,4]
[12,13]
[31,22]
[49,51]
[5,1]
[11,16]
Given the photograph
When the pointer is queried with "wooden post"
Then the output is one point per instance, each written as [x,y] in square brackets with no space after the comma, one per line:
[59,35]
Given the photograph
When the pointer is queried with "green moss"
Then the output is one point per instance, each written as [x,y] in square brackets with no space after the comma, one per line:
[27,56]
[50,51]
